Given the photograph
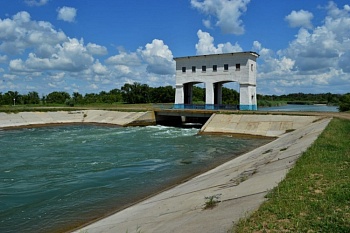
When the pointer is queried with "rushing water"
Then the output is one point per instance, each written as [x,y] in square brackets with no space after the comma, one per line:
[56,178]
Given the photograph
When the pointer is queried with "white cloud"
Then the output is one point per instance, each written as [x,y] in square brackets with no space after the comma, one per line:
[36,2]
[123,58]
[67,14]
[300,19]
[227,13]
[206,45]
[3,58]
[21,33]
[316,59]
[207,23]
[158,57]
[96,49]
[70,56]
[99,69]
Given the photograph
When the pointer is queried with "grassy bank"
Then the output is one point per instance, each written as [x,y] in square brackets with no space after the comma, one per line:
[315,195]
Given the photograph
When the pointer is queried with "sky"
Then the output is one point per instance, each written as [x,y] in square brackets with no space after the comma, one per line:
[89,46]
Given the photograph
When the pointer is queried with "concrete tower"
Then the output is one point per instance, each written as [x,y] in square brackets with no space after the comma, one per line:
[214,70]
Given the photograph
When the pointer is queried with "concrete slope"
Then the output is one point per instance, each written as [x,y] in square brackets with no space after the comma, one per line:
[261,125]
[84,116]
[240,184]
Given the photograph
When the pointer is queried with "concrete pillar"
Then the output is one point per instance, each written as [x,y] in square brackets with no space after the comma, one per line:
[179,96]
[218,93]
[247,97]
[188,90]
[209,95]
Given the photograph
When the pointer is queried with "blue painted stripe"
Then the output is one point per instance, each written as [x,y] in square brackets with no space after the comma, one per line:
[248,107]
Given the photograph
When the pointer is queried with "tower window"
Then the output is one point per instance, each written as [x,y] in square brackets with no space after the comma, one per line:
[226,67]
[193,69]
[238,67]
[183,69]
[204,68]
[251,67]
[215,68]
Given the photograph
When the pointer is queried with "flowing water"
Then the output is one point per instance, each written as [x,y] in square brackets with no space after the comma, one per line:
[53,179]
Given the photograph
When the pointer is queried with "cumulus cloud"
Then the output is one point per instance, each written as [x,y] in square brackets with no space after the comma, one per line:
[96,49]
[226,12]
[100,69]
[315,58]
[36,2]
[300,19]
[21,33]
[158,57]
[206,45]
[3,58]
[67,14]
[70,56]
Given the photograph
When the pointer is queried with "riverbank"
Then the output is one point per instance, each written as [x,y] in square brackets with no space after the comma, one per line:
[315,195]
[239,186]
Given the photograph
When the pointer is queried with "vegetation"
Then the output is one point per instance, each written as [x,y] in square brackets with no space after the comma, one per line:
[298,98]
[315,195]
[344,103]
[211,201]
[138,93]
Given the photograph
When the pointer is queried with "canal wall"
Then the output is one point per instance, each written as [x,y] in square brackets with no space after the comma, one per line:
[22,119]
[258,125]
[236,124]
[240,186]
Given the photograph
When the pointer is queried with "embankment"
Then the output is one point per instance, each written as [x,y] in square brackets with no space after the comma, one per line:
[258,125]
[24,119]
[240,184]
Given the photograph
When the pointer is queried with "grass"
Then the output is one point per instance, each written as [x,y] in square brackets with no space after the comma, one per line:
[315,195]
[211,201]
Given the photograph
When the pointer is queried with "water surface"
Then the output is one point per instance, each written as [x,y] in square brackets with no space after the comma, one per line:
[55,178]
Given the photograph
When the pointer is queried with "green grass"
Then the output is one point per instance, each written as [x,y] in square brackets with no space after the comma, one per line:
[315,195]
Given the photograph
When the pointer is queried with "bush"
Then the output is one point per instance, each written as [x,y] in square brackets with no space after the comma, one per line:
[69,102]
[344,103]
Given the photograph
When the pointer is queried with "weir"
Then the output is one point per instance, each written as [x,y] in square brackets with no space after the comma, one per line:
[183,117]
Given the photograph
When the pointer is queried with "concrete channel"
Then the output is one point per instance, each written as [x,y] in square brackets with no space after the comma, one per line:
[240,185]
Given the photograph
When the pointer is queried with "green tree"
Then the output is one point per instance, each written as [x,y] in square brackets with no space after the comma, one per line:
[31,98]
[57,97]
[344,103]
[78,98]
[162,94]
[229,96]
[90,98]
[135,93]
[12,97]
[198,95]
[116,94]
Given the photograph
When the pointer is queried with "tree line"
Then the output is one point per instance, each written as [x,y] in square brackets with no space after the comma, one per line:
[137,93]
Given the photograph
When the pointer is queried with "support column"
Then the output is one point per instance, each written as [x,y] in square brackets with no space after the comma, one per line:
[247,97]
[179,96]
[218,93]
[188,91]
[209,95]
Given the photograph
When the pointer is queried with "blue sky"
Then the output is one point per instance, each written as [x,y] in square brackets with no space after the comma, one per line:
[88,46]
